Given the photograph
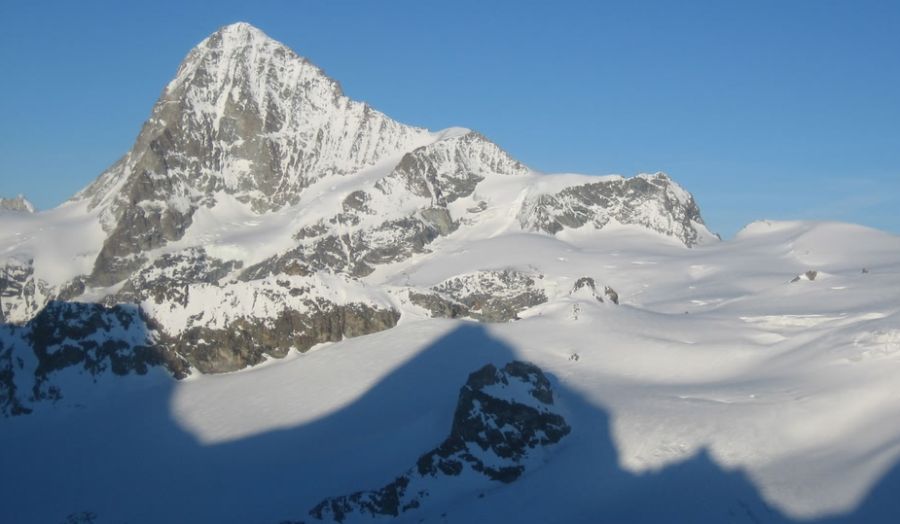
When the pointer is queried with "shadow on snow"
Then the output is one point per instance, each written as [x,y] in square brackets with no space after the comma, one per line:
[131,461]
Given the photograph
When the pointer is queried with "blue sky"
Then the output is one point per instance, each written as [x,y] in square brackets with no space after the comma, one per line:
[763,110]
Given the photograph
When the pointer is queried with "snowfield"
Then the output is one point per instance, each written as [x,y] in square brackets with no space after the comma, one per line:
[716,391]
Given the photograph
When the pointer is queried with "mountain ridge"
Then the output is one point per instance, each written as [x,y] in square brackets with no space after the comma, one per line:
[17,204]
[254,174]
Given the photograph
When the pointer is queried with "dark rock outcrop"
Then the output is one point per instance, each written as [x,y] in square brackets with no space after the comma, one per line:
[675,212]
[503,418]
[89,338]
[22,295]
[809,275]
[94,339]
[246,341]
[169,277]
[489,296]
[246,117]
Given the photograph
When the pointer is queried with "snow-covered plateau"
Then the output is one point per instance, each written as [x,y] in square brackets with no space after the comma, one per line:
[283,306]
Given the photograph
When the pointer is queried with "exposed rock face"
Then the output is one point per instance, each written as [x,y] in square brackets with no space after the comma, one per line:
[357,250]
[585,286]
[504,420]
[490,296]
[182,327]
[611,294]
[22,295]
[651,201]
[400,214]
[169,277]
[226,327]
[245,116]
[19,204]
[450,169]
[809,275]
[438,306]
[87,338]
[245,341]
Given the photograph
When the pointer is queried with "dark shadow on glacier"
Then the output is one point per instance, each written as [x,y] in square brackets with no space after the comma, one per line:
[127,459]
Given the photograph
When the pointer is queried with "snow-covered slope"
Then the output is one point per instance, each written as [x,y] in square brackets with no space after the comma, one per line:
[716,391]
[281,304]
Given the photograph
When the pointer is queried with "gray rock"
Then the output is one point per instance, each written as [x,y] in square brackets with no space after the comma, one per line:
[438,306]
[675,212]
[122,339]
[490,296]
[20,204]
[245,116]
[22,295]
[809,275]
[358,252]
[90,337]
[245,342]
[170,276]
[611,294]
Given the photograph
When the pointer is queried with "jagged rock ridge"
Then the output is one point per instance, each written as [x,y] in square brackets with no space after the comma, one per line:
[505,419]
[19,204]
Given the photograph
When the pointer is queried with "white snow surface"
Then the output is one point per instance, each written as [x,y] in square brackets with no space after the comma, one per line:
[63,242]
[712,355]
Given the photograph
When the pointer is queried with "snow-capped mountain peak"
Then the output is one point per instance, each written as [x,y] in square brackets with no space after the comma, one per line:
[254,165]
[245,117]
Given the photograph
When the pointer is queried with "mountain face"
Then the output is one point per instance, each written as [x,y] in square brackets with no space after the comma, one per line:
[246,117]
[261,211]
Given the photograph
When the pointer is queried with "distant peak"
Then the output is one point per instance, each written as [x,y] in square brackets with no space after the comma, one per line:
[20,203]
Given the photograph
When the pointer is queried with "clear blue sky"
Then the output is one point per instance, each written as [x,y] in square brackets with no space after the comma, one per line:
[764,109]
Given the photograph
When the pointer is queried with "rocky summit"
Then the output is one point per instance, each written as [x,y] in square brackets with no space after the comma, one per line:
[18,204]
[261,211]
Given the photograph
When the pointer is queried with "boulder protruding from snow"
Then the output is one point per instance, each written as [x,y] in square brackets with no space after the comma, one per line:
[809,275]
[587,287]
